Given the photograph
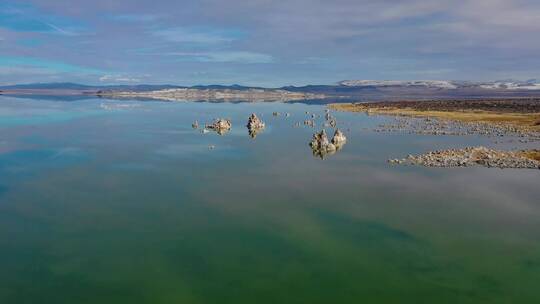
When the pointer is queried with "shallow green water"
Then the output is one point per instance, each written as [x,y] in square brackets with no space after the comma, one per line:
[101,203]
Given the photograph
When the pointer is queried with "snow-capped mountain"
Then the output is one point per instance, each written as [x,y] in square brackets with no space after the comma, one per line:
[399,83]
[512,85]
[532,84]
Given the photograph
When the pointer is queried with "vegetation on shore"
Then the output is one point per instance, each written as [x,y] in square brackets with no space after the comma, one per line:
[524,114]
[531,154]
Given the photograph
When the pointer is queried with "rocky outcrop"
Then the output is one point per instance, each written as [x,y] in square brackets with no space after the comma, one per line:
[330,120]
[339,138]
[220,125]
[309,123]
[320,142]
[255,122]
[321,146]
[254,125]
[327,115]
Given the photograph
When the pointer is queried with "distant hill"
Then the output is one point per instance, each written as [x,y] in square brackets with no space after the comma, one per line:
[355,90]
[139,87]
[342,87]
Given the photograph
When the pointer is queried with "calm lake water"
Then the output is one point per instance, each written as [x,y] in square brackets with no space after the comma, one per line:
[106,201]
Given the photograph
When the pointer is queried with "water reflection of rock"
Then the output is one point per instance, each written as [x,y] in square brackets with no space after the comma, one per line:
[330,120]
[254,125]
[220,125]
[322,147]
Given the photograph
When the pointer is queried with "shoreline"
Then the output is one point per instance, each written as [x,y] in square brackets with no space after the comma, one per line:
[214,94]
[493,118]
[523,114]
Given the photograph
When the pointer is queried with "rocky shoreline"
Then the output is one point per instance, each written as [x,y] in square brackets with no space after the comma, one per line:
[322,146]
[512,120]
[434,126]
[487,117]
[475,156]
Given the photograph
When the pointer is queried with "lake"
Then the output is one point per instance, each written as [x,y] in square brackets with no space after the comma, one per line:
[105,201]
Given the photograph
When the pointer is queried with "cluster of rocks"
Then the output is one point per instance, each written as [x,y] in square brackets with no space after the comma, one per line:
[220,125]
[471,156]
[322,146]
[330,120]
[432,126]
[254,125]
[309,123]
[426,126]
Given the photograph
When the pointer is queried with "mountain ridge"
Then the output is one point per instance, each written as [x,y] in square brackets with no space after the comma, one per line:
[341,86]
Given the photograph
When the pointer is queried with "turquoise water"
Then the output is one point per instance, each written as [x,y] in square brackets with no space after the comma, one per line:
[107,201]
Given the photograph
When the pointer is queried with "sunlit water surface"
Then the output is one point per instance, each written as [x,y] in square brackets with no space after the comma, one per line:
[106,201]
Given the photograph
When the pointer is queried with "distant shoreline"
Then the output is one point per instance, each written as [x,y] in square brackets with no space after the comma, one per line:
[344,91]
[188,94]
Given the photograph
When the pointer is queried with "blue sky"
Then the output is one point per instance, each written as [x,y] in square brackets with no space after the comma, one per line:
[266,42]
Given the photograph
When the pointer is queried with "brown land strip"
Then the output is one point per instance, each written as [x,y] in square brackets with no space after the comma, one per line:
[531,154]
[521,113]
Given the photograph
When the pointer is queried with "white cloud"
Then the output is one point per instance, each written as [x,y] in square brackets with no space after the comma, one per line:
[60,30]
[201,35]
[21,70]
[135,18]
[501,13]
[470,23]
[225,56]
